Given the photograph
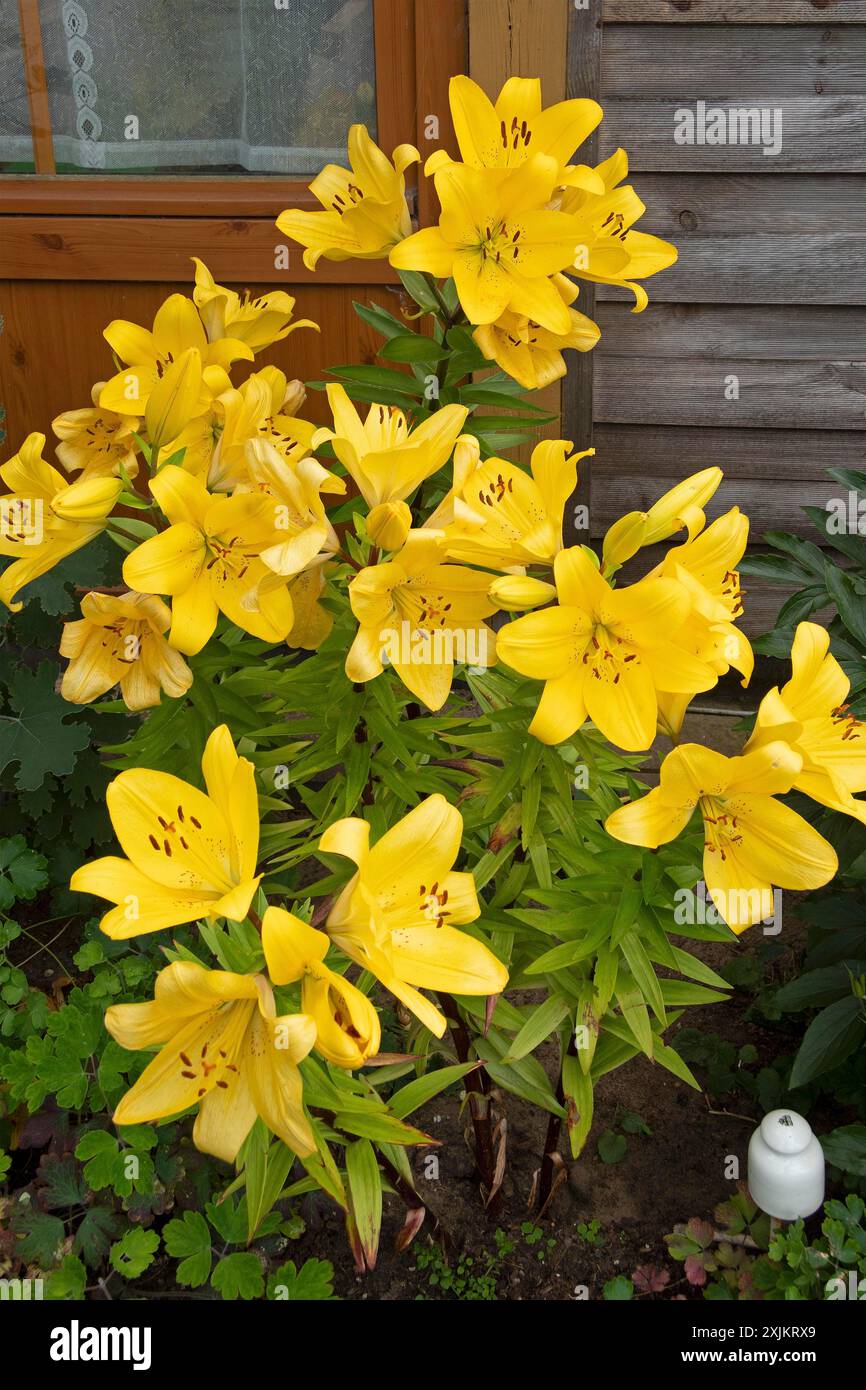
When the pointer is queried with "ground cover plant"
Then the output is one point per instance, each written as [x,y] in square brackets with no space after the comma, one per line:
[372,823]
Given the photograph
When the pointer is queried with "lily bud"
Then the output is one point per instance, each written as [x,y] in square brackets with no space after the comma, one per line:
[514,593]
[389,524]
[296,394]
[174,400]
[624,539]
[682,506]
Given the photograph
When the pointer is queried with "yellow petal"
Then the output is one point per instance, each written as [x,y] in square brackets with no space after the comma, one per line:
[442,958]
[290,945]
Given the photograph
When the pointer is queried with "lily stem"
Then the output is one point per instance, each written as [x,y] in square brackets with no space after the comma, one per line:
[551,1142]
[477,1085]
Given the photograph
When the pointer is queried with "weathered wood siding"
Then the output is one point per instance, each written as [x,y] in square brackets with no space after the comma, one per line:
[770,287]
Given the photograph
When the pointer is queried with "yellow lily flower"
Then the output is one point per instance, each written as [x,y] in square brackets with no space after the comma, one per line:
[503,135]
[499,241]
[223,1049]
[209,561]
[502,517]
[149,354]
[175,399]
[604,653]
[398,915]
[96,442]
[257,322]
[532,354]
[43,518]
[189,855]
[811,713]
[365,210]
[421,616]
[681,507]
[610,251]
[263,407]
[307,536]
[706,568]
[313,622]
[347,1024]
[119,640]
[752,841]
[386,459]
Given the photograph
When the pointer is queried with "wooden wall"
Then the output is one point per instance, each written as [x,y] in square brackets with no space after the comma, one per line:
[770,286]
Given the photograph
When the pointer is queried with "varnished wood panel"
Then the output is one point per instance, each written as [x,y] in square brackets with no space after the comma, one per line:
[735,11]
[160,248]
[52,349]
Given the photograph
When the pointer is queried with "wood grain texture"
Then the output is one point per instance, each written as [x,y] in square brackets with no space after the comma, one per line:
[394,34]
[33,62]
[770,474]
[585,42]
[761,269]
[641,61]
[743,331]
[522,38]
[734,204]
[677,391]
[71,195]
[441,52]
[153,248]
[52,349]
[735,11]
[819,135]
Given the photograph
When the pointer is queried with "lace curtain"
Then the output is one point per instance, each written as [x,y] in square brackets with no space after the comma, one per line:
[180,86]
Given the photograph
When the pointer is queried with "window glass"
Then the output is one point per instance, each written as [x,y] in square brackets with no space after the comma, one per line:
[209,86]
[16,146]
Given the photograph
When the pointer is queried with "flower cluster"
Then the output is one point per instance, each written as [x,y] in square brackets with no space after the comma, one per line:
[224,1048]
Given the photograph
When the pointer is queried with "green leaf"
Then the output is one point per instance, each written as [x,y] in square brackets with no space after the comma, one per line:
[612,1148]
[578,1091]
[189,1241]
[94,1235]
[413,347]
[845,1148]
[829,1039]
[850,604]
[418,288]
[424,1088]
[618,1290]
[382,1127]
[36,735]
[543,1020]
[134,1252]
[645,977]
[67,1282]
[312,1283]
[818,987]
[23,872]
[365,1196]
[40,1235]
[98,1150]
[239,1276]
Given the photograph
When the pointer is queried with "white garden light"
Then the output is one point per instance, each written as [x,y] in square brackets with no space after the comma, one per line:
[786,1166]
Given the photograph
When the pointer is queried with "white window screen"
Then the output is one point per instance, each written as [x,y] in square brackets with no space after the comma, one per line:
[16,146]
[215,86]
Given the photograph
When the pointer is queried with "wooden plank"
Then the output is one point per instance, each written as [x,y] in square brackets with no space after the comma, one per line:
[738,203]
[441,51]
[746,332]
[523,38]
[641,61]
[776,456]
[37,88]
[394,32]
[771,474]
[735,11]
[818,135]
[677,391]
[761,269]
[152,248]
[52,349]
[584,80]
[73,196]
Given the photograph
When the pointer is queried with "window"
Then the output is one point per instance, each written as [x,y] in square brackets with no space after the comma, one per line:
[263,87]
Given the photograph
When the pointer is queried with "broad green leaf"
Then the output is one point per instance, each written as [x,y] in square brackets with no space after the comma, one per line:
[424,1088]
[365,1196]
[543,1021]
